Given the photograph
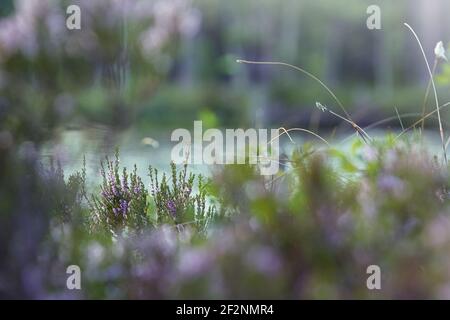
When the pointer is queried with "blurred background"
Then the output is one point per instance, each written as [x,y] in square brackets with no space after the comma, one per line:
[139,69]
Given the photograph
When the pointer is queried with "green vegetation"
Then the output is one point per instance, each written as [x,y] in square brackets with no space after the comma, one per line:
[310,231]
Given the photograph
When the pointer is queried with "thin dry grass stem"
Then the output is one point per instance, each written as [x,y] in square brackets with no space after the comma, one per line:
[403,115]
[399,118]
[388,119]
[284,163]
[286,132]
[421,119]
[363,134]
[441,130]
[347,117]
[303,71]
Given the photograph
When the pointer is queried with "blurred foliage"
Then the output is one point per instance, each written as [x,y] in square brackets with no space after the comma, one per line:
[309,232]
[149,64]
[51,75]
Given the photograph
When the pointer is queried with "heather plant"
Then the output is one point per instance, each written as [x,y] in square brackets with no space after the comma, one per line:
[309,234]
[67,195]
[318,242]
[35,201]
[122,203]
[175,202]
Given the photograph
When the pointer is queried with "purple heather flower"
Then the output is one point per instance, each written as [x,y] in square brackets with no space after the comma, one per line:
[172,208]
[114,189]
[124,206]
[124,183]
[107,195]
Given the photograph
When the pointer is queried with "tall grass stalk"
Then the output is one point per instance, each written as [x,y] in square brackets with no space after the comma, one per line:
[347,117]
[420,120]
[441,130]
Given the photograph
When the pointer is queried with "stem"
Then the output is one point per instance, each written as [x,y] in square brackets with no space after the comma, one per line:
[347,117]
[303,71]
[441,130]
